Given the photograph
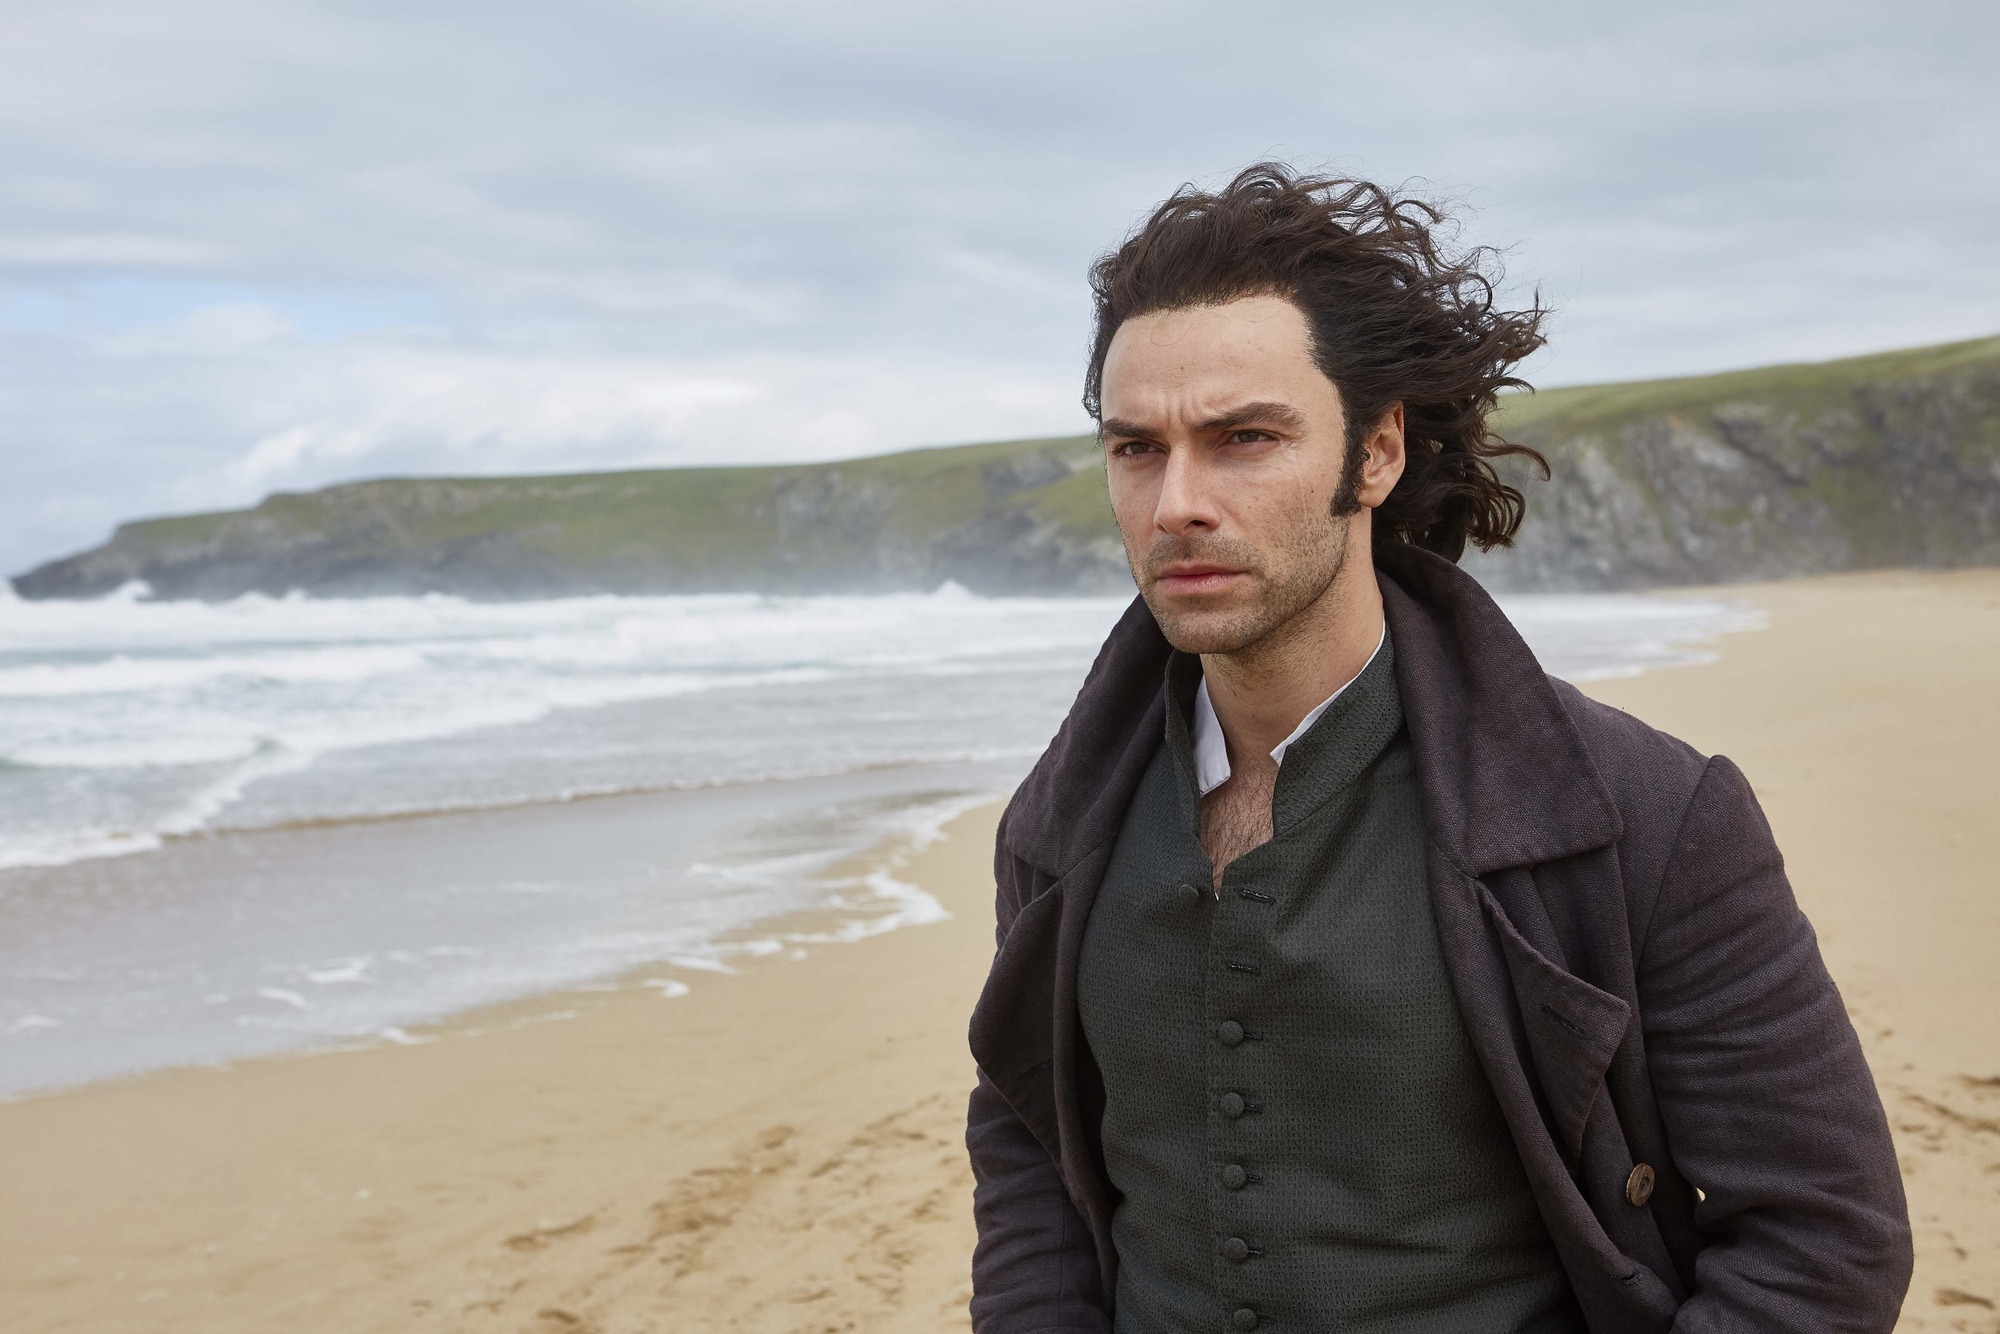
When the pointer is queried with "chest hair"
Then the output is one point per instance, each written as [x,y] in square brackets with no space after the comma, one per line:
[1236,817]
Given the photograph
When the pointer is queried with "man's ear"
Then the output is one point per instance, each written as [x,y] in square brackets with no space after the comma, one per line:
[1382,464]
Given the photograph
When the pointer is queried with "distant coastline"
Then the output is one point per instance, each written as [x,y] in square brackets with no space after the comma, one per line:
[1886,460]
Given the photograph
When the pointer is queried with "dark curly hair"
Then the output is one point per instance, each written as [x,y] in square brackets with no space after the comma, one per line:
[1397,316]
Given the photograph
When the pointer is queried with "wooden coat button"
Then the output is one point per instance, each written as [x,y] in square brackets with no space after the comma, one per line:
[1639,1186]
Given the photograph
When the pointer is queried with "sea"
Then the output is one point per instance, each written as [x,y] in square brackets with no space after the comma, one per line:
[283,823]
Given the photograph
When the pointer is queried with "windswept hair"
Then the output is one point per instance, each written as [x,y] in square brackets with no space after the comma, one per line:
[1397,316]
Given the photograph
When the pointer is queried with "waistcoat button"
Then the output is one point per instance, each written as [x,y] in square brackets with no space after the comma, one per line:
[1195,892]
[1232,1105]
[1639,1186]
[1230,1032]
[1237,1249]
[1243,1318]
[1233,1176]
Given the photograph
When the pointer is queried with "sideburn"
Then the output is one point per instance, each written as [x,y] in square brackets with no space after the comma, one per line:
[1347,496]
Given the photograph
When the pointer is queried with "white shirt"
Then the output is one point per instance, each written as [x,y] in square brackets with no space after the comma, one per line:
[1211,752]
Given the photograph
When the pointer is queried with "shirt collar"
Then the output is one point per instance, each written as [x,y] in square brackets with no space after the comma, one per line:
[1211,752]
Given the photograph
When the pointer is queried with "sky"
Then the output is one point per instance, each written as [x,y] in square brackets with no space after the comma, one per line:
[248,247]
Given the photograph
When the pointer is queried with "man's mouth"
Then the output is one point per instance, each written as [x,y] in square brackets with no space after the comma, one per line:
[1195,577]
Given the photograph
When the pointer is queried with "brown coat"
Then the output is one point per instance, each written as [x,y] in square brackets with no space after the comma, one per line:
[1627,956]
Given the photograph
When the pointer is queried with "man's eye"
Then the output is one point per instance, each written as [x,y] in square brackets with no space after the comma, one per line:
[1130,448]
[1248,436]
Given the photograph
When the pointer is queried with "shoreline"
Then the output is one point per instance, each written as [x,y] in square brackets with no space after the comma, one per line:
[778,1149]
[555,801]
[789,936]
[472,1129]
[283,942]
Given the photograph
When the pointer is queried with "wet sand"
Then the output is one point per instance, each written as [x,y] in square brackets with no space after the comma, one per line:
[778,1149]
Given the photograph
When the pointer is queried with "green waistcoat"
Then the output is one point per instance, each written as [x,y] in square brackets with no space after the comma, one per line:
[1299,1132]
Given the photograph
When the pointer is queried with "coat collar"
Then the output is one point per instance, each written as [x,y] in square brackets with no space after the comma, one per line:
[1506,778]
[1074,799]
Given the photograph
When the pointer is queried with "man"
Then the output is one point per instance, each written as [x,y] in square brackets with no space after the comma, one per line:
[1353,974]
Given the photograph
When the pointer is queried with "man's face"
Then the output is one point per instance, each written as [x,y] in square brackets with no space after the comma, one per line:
[1224,447]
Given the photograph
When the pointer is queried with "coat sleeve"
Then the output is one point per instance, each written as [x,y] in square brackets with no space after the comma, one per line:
[1034,1267]
[1767,1100]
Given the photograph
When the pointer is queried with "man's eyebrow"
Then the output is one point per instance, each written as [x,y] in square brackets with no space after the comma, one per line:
[1254,414]
[1249,414]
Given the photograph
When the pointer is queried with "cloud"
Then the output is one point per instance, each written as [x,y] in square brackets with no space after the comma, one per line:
[443,409]
[228,329]
[272,244]
[102,250]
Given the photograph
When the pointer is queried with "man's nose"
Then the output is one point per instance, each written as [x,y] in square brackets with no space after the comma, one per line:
[1185,503]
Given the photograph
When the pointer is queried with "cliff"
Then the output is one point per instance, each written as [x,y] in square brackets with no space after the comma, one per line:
[1872,461]
[1889,460]
[1026,515]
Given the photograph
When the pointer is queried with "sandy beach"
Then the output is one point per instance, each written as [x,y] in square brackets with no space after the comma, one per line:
[778,1148]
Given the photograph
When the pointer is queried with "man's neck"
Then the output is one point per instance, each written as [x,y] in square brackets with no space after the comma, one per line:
[1261,693]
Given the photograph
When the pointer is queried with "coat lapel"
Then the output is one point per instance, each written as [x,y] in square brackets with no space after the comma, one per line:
[1508,784]
[1572,1028]
[1507,779]
[1074,799]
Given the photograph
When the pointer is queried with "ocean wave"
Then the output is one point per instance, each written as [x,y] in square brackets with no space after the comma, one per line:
[189,750]
[125,723]
[430,716]
[123,674]
[200,814]
[63,847]
[149,721]
[870,857]
[124,623]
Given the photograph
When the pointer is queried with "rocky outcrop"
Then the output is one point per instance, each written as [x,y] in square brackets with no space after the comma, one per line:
[1877,461]
[1880,461]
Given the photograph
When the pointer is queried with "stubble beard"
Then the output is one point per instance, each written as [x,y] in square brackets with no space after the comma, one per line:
[1283,583]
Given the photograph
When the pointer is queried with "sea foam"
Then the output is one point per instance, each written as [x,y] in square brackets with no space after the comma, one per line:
[124,722]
